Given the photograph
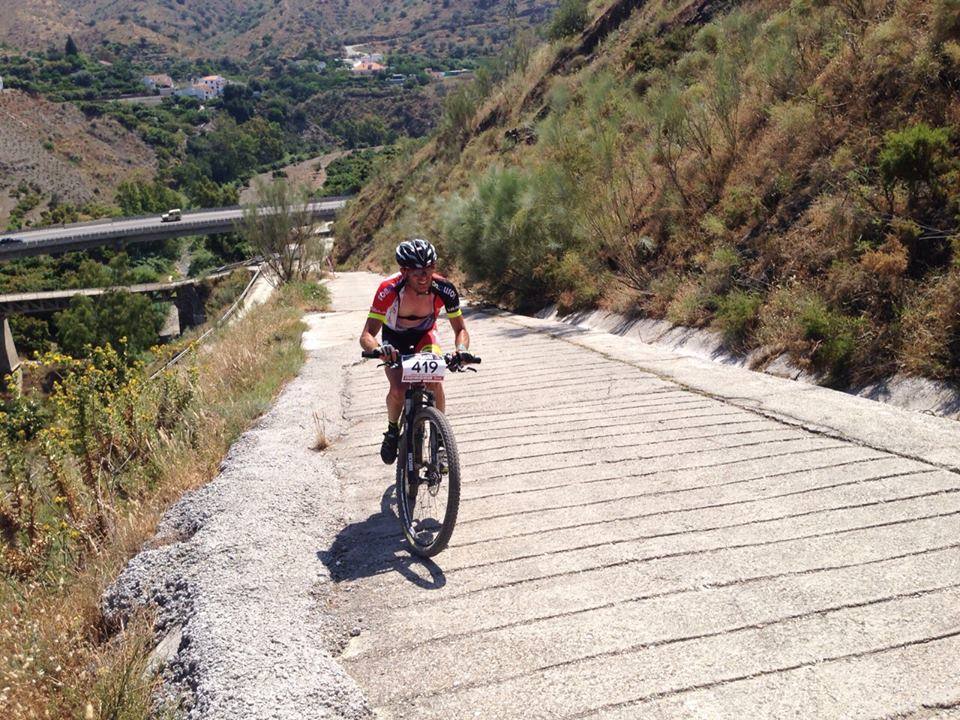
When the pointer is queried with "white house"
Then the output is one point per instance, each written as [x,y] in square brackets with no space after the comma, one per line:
[213,84]
[204,88]
[159,82]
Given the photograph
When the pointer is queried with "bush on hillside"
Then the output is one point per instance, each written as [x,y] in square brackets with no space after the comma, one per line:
[737,315]
[512,235]
[931,325]
[916,157]
[143,197]
[569,19]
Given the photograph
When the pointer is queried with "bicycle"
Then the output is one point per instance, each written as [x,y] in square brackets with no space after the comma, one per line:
[428,464]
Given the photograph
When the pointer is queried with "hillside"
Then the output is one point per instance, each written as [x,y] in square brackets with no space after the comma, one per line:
[785,173]
[238,28]
[52,150]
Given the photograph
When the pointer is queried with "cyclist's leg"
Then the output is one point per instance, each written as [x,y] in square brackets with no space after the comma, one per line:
[429,343]
[404,342]
[394,394]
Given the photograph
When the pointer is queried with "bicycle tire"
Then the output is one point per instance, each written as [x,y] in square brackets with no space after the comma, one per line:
[407,500]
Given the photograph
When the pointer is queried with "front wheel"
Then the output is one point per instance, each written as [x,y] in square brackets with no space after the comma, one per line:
[428,494]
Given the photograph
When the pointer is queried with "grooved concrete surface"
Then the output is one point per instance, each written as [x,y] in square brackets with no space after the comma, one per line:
[630,547]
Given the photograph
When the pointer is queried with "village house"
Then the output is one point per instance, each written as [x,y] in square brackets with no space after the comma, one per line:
[213,84]
[162,83]
[204,88]
[365,67]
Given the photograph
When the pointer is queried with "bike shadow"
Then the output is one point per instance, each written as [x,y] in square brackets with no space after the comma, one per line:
[375,546]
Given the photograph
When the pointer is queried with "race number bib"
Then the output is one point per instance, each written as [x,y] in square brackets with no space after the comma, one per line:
[423,367]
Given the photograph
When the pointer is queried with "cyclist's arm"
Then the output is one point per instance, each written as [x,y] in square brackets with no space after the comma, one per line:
[462,341]
[368,338]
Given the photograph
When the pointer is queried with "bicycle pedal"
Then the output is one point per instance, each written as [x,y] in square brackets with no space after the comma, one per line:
[424,537]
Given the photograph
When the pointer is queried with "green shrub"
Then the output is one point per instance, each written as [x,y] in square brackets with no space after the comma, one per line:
[740,206]
[736,316]
[569,19]
[514,232]
[456,122]
[688,305]
[142,197]
[719,270]
[201,261]
[915,156]
[114,318]
[307,295]
[833,338]
[578,284]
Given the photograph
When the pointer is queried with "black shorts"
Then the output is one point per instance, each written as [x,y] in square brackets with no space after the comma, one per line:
[408,342]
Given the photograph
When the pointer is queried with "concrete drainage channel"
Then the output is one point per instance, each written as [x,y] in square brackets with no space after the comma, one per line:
[910,393]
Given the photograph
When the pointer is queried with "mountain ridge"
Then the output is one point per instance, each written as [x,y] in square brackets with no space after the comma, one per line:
[244,28]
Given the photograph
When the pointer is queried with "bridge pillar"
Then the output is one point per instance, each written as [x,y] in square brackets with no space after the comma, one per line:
[9,360]
[189,302]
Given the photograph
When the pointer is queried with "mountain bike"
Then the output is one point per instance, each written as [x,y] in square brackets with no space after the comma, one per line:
[428,464]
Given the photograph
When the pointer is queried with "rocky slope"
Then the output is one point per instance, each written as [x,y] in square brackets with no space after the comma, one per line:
[237,27]
[54,148]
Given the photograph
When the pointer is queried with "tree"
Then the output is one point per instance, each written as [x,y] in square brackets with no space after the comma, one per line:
[141,197]
[283,230]
[92,322]
[238,101]
[569,19]
[71,47]
[205,193]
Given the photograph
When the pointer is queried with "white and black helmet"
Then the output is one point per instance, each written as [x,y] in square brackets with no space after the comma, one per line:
[416,253]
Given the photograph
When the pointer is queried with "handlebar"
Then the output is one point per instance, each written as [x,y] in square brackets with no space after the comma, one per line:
[453,360]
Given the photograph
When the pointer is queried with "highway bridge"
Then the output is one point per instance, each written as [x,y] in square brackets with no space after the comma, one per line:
[120,231]
[184,294]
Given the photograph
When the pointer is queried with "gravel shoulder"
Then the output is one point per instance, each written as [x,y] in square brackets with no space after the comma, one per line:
[234,572]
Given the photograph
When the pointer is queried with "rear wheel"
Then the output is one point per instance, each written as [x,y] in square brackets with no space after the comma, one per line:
[428,496]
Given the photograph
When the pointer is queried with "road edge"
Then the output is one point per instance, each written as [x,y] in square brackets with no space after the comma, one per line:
[931,439]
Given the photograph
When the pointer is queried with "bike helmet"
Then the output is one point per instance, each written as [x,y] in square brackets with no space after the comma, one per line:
[416,253]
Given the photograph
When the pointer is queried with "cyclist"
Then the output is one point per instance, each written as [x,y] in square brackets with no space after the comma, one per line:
[406,306]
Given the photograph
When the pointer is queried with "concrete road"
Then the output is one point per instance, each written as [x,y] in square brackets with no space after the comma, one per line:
[79,236]
[643,536]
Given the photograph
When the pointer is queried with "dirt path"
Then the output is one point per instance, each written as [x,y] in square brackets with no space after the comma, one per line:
[640,536]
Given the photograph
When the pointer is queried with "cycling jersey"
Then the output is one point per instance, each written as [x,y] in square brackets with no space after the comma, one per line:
[386,303]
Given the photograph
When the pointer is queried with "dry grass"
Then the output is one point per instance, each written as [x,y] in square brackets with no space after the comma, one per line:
[110,153]
[58,658]
[321,442]
[764,131]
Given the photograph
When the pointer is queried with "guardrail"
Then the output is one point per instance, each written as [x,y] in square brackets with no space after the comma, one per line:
[223,318]
[151,230]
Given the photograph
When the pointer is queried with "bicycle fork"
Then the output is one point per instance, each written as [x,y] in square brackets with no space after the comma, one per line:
[416,397]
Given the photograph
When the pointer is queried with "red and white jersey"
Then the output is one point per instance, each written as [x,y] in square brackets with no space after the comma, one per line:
[386,303]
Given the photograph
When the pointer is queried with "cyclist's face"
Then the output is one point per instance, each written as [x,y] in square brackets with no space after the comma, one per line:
[420,278]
